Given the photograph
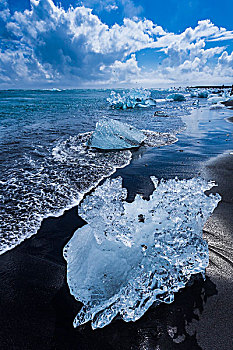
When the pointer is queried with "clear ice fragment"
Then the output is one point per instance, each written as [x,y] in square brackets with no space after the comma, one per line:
[203,94]
[139,98]
[111,134]
[176,97]
[130,255]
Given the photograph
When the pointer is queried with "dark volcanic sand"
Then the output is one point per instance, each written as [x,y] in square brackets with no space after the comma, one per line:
[228,103]
[37,309]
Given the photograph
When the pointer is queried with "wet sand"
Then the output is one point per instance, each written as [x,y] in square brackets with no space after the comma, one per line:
[228,103]
[215,328]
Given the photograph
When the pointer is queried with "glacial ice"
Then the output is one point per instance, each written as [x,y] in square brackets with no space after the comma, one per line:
[215,99]
[194,94]
[203,94]
[216,106]
[140,98]
[112,134]
[199,94]
[130,255]
[58,181]
[176,97]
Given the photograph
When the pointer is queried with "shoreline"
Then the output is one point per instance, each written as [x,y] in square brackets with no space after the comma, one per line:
[38,309]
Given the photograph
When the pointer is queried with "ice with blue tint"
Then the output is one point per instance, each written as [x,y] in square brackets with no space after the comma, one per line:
[140,98]
[221,97]
[216,106]
[176,97]
[194,94]
[203,94]
[215,98]
[130,255]
[112,134]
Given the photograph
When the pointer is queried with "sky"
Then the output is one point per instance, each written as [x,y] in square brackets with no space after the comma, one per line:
[115,43]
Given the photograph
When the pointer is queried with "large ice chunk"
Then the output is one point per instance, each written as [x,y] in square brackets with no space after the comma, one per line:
[216,106]
[215,99]
[130,99]
[176,97]
[131,255]
[203,94]
[112,134]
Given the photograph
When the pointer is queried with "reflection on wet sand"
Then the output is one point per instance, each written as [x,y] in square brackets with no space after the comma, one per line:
[162,327]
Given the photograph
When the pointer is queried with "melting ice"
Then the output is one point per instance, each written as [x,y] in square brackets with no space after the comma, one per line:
[134,98]
[130,255]
[176,97]
[112,134]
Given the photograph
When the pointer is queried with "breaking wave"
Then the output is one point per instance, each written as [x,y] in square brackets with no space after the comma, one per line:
[45,183]
[46,186]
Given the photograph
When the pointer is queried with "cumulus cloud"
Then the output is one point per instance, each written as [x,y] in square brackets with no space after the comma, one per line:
[67,44]
[124,72]
[225,65]
[48,45]
[226,59]
[188,60]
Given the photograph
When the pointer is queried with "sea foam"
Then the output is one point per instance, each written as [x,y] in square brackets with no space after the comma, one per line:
[48,183]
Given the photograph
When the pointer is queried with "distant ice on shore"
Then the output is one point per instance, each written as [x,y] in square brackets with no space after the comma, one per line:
[130,255]
[140,98]
[176,97]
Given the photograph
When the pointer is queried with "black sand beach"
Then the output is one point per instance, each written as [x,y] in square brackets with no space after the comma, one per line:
[38,310]
[93,91]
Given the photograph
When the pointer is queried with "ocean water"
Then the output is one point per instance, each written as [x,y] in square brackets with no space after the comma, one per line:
[46,168]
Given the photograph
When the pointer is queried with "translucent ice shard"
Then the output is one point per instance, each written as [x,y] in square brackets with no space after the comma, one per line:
[112,134]
[130,255]
[134,98]
[176,97]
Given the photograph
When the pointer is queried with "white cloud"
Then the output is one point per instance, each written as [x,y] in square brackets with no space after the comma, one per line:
[72,43]
[226,59]
[72,48]
[225,65]
[124,72]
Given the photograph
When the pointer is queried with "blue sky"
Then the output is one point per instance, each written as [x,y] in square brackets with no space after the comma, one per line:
[115,43]
[172,15]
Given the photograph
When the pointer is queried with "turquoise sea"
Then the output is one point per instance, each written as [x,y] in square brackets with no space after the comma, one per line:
[44,170]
